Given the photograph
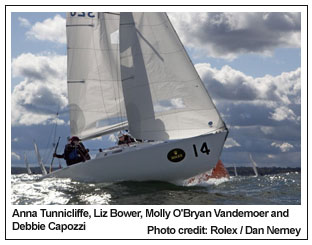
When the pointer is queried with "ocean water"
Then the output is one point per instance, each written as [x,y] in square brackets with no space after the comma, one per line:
[276,189]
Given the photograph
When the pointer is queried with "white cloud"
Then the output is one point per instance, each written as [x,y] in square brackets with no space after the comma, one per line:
[230,142]
[284,147]
[283,113]
[271,156]
[267,130]
[230,84]
[244,100]
[227,35]
[53,30]
[42,92]
[24,22]
[15,156]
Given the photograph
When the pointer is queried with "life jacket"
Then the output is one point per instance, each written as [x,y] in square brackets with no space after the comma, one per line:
[73,155]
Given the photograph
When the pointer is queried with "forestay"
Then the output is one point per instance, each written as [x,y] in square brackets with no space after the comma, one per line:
[93,71]
[164,96]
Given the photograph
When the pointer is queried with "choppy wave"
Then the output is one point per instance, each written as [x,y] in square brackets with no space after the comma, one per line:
[28,189]
[269,189]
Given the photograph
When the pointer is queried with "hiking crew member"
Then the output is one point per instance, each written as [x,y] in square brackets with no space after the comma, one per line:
[125,139]
[74,152]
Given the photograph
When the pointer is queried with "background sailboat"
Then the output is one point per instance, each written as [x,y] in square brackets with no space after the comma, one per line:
[42,167]
[143,81]
[27,165]
[254,165]
[235,170]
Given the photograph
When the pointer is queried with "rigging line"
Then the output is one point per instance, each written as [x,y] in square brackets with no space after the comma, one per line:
[45,156]
[53,131]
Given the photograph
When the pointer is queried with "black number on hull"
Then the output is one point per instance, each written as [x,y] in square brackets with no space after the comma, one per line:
[195,150]
[204,149]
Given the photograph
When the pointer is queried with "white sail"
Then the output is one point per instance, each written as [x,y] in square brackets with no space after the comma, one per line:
[164,96]
[43,169]
[254,166]
[27,165]
[93,72]
[235,170]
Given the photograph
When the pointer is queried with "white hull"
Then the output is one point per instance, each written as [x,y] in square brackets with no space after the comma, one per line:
[149,161]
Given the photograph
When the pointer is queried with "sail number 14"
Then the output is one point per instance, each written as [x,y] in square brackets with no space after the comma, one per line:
[204,149]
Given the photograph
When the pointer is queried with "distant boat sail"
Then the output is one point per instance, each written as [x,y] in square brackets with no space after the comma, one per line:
[235,170]
[254,165]
[27,165]
[43,169]
[131,71]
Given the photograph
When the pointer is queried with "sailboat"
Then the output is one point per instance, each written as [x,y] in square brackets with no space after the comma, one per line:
[40,162]
[29,172]
[254,166]
[235,171]
[131,71]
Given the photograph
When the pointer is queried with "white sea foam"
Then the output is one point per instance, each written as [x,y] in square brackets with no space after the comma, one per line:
[92,199]
[47,191]
[211,181]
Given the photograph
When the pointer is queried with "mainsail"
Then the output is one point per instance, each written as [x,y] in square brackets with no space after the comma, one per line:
[164,96]
[93,72]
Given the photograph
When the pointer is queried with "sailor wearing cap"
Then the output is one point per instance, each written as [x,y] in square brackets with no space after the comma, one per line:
[74,152]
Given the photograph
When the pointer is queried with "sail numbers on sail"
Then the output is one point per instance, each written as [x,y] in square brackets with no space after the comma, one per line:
[82,14]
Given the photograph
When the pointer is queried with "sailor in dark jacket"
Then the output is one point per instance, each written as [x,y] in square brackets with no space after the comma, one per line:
[74,152]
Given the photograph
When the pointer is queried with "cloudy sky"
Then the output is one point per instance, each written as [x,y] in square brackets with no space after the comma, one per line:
[249,62]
